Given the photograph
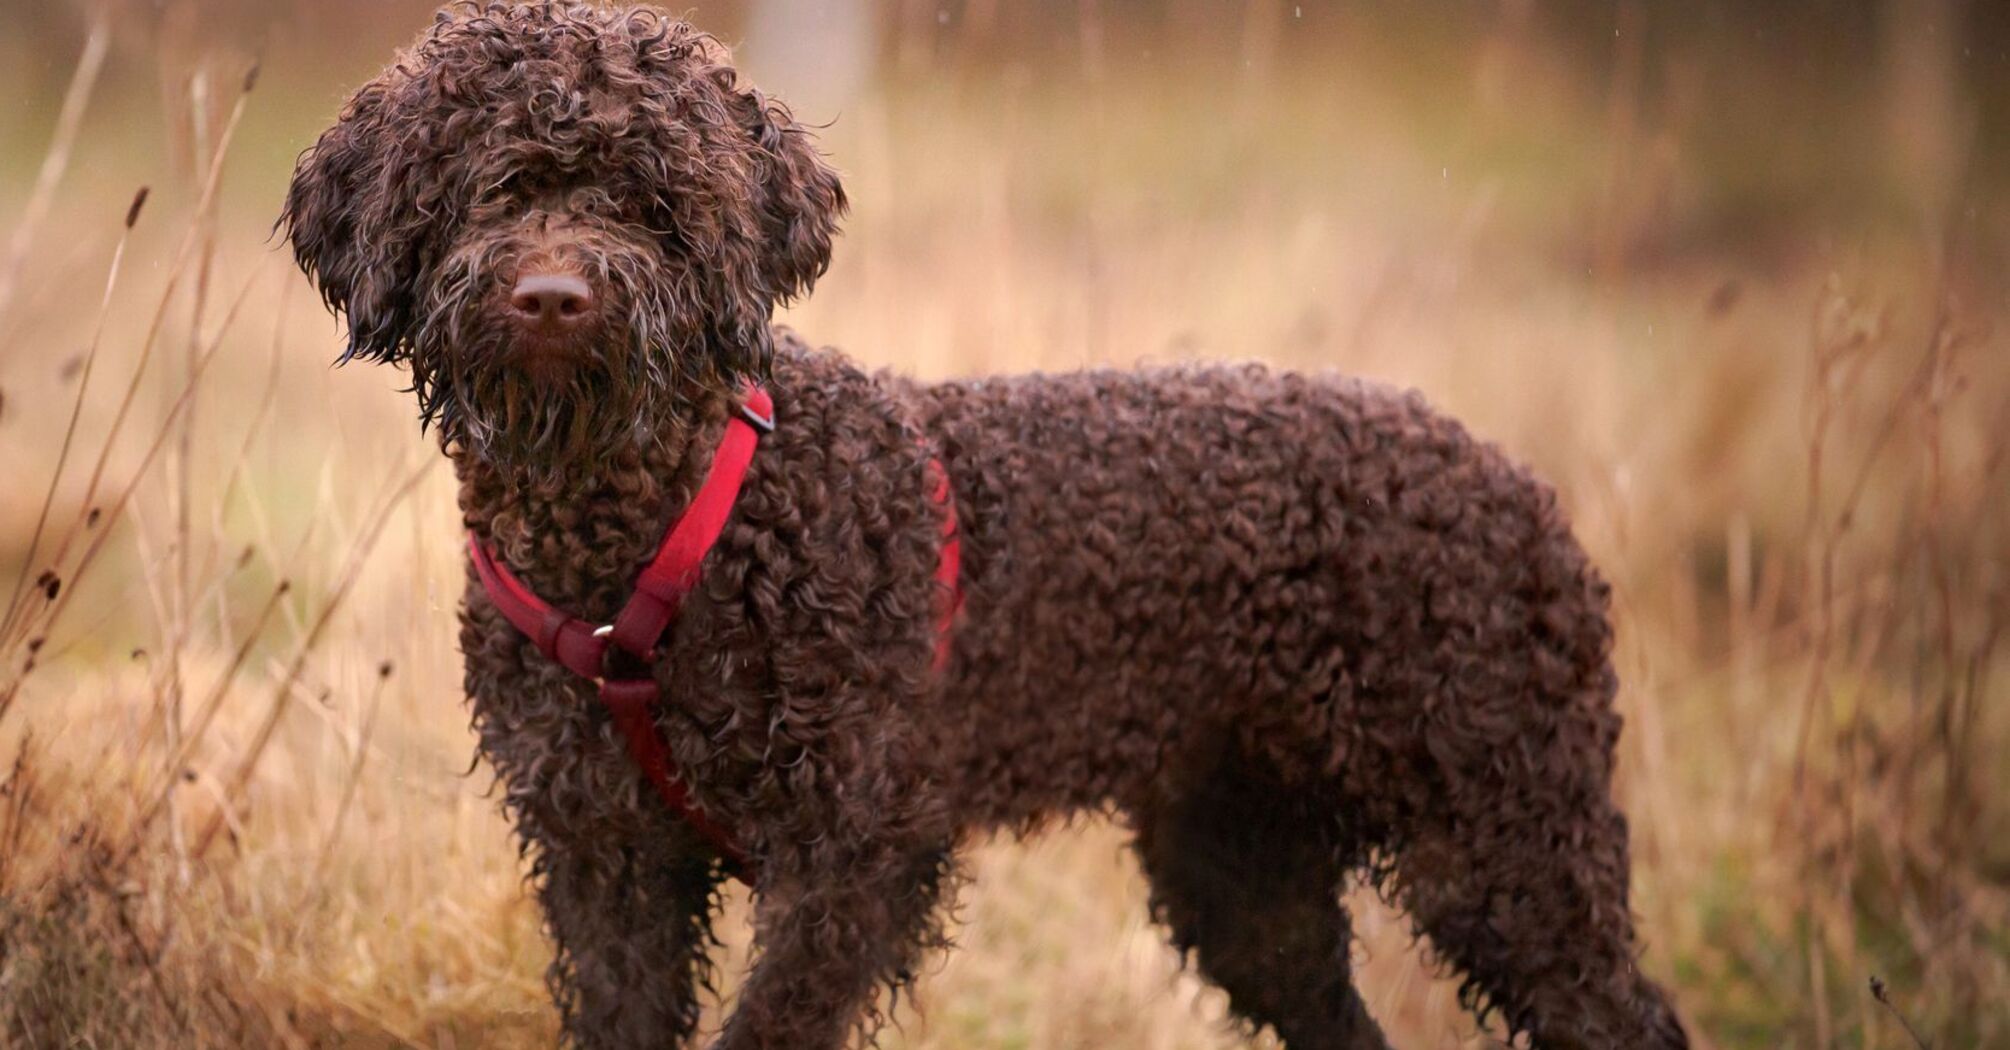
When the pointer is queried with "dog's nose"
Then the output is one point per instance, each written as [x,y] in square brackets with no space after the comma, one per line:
[551,301]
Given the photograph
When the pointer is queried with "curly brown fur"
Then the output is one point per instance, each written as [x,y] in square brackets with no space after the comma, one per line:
[1293,629]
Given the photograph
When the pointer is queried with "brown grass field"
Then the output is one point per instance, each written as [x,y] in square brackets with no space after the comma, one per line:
[1740,298]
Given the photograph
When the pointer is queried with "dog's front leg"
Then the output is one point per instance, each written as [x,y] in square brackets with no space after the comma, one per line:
[631,924]
[832,926]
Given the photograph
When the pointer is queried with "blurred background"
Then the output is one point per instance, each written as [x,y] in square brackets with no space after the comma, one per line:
[1731,275]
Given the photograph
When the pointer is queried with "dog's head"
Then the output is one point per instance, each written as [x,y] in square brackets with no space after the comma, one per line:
[563,217]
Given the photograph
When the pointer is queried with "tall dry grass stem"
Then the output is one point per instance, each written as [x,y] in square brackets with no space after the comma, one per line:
[56,161]
[91,520]
[283,690]
[14,601]
[360,752]
[211,181]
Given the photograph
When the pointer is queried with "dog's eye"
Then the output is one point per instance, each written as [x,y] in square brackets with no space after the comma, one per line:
[657,213]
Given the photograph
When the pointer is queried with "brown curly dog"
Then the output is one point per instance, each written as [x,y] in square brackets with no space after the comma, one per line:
[1291,629]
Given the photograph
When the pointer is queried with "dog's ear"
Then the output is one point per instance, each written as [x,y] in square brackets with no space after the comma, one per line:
[343,216]
[782,243]
[801,197]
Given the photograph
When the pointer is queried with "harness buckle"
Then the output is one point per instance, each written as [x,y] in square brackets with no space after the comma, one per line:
[764,424]
[618,664]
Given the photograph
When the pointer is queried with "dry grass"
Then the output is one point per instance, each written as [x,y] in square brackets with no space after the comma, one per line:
[235,808]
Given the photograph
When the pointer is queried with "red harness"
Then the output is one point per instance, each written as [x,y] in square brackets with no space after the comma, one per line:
[582,648]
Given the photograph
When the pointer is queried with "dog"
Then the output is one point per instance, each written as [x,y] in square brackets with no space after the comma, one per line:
[1288,629]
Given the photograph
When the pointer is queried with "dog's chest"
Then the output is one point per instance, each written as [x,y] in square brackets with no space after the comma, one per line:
[540,724]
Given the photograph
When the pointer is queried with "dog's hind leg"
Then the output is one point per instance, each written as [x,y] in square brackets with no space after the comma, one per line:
[1518,873]
[632,925]
[1247,875]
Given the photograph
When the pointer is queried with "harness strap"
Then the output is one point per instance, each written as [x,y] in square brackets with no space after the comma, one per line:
[569,642]
[948,565]
[631,703]
[673,573]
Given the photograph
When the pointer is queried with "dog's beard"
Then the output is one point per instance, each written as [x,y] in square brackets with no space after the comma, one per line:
[614,391]
[544,425]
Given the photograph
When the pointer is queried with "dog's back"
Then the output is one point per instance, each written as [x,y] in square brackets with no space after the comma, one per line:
[1211,553]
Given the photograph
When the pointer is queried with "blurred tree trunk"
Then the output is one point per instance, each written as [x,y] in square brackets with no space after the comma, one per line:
[1928,117]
